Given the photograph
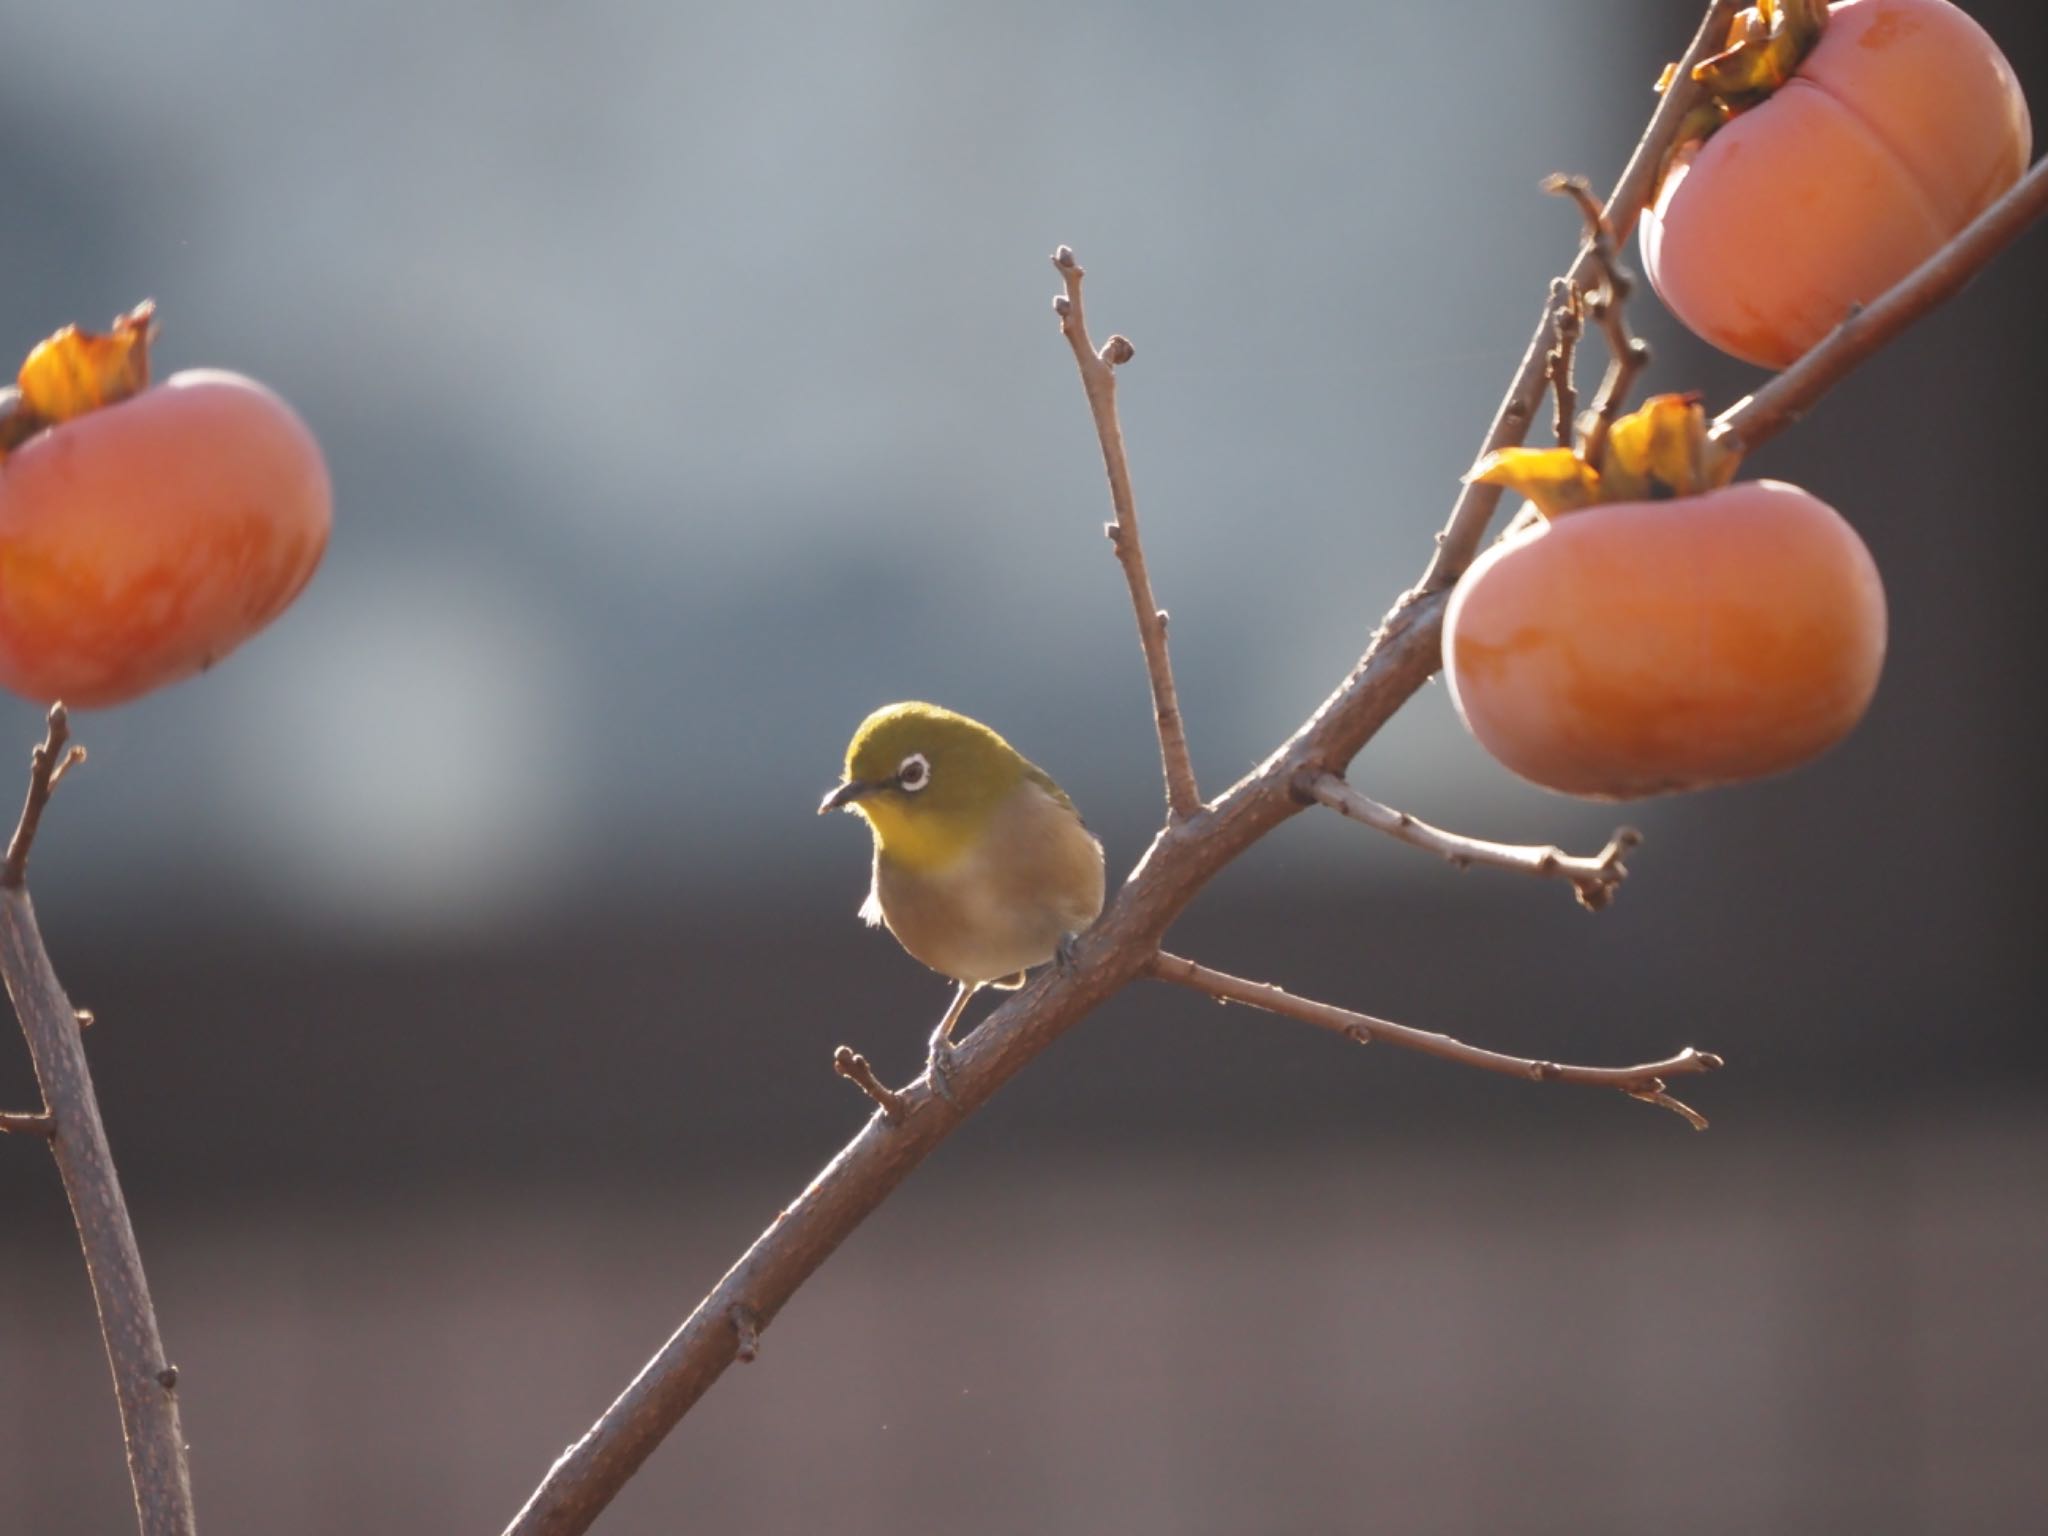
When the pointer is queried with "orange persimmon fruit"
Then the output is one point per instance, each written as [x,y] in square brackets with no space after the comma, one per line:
[1614,649]
[145,532]
[1837,159]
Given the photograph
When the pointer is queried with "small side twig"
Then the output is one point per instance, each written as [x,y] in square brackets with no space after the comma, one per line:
[1627,355]
[1098,379]
[1594,880]
[38,1122]
[1787,397]
[1567,321]
[854,1067]
[78,1140]
[47,766]
[1645,1082]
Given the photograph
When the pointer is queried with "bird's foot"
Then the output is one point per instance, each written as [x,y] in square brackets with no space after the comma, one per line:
[939,1067]
[1063,952]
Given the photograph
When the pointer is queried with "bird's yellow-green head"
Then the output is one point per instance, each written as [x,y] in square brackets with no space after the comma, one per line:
[927,780]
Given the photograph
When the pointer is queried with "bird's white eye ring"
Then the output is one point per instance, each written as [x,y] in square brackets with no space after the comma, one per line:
[913,773]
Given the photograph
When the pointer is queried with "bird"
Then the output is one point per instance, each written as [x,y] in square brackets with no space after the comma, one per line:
[983,868]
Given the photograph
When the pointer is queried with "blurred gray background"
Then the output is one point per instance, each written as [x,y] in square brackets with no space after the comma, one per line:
[468,959]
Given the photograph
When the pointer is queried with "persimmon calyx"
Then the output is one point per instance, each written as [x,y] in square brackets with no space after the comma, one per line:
[1659,451]
[1766,44]
[73,372]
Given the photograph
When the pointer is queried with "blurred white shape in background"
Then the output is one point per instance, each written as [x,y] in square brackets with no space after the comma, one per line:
[419,776]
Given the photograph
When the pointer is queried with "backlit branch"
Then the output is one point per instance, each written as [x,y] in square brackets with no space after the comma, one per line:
[1098,379]
[1593,880]
[1607,306]
[1788,396]
[1645,1081]
[144,1380]
[1567,320]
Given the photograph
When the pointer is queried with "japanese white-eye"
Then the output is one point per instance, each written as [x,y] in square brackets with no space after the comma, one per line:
[982,866]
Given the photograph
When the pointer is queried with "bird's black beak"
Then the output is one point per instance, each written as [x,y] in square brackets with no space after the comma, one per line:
[844,795]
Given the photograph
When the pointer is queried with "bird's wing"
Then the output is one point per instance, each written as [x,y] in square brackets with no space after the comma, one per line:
[1044,781]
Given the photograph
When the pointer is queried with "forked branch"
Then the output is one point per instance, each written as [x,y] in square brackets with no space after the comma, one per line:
[1645,1081]
[857,1070]
[144,1380]
[1593,880]
[1607,307]
[1098,379]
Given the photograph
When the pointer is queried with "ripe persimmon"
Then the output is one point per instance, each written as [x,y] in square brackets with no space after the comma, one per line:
[1846,145]
[145,532]
[1658,628]
[1650,646]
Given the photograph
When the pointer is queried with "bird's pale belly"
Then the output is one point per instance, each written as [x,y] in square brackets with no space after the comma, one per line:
[985,918]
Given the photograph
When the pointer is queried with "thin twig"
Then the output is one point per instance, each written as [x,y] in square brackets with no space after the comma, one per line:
[1459,542]
[1627,356]
[38,1122]
[1593,880]
[1567,320]
[1645,1081]
[1098,379]
[113,1263]
[1787,397]
[855,1068]
[47,765]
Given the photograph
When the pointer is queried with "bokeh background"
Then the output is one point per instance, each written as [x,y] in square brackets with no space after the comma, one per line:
[468,958]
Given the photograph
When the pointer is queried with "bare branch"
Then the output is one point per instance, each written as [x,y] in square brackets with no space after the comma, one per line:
[1098,378]
[1787,397]
[143,1378]
[854,1067]
[1567,321]
[1627,356]
[1459,541]
[1593,880]
[1645,1082]
[47,766]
